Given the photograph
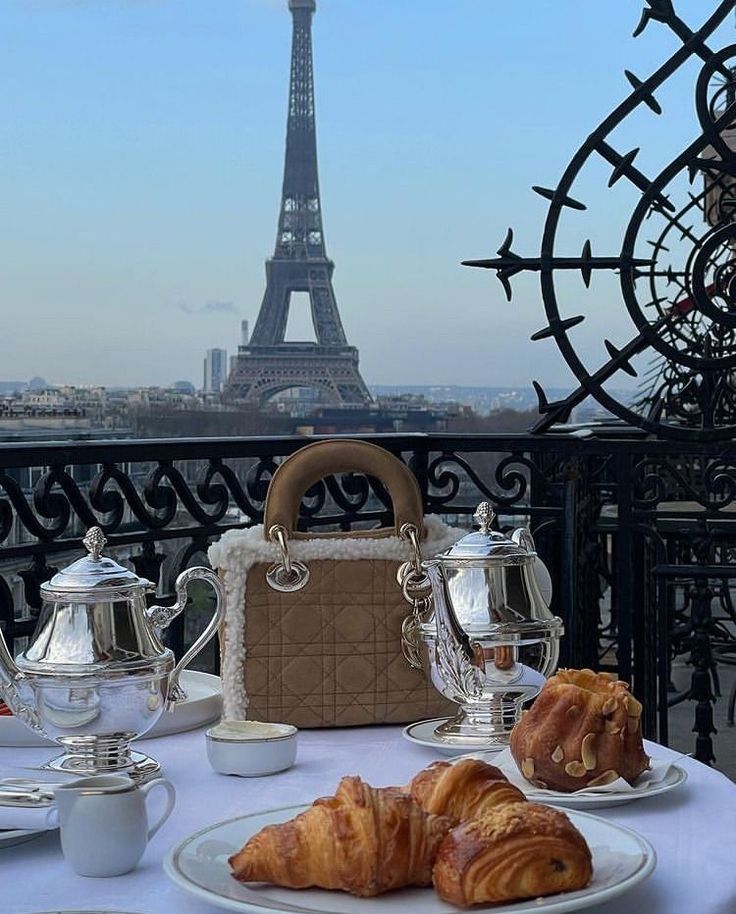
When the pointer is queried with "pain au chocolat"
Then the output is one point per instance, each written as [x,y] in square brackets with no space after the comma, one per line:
[583,730]
[515,851]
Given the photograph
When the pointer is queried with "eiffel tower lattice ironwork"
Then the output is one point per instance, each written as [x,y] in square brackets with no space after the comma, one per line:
[268,364]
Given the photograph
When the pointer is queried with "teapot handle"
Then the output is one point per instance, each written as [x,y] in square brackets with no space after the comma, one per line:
[161,616]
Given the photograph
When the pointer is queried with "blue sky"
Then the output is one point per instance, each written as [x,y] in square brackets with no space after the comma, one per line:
[141,149]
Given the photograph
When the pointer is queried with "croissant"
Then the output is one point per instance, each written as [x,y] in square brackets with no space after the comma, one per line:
[462,790]
[362,840]
[520,850]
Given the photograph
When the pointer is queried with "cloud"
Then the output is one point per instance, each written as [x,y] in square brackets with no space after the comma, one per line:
[214,306]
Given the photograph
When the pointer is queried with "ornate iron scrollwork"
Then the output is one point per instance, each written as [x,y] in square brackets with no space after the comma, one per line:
[677,261]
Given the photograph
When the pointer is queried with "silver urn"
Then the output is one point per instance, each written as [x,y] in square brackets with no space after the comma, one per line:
[96,675]
[490,636]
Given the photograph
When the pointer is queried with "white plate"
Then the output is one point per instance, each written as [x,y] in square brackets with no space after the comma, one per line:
[203,705]
[422,734]
[674,777]
[621,859]
[11,836]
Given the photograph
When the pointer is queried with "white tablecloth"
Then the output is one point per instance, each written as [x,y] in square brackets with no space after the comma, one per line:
[693,828]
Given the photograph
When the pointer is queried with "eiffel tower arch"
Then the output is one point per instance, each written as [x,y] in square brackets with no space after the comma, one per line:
[268,363]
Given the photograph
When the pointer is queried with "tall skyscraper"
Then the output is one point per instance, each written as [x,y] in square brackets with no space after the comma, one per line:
[215,371]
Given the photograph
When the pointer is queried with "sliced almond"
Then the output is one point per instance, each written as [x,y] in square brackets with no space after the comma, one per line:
[612,727]
[607,777]
[632,724]
[527,768]
[633,708]
[573,711]
[609,706]
[588,753]
[558,755]
[537,783]
[575,769]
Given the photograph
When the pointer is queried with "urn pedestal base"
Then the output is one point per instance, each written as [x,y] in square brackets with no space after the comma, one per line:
[95,756]
[488,724]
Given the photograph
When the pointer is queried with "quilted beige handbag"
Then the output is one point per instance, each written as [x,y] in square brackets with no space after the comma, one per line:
[313,624]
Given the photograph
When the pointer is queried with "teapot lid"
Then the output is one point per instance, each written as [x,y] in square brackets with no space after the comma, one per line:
[487,545]
[95,573]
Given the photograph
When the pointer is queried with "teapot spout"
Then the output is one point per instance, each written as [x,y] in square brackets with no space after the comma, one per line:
[16,691]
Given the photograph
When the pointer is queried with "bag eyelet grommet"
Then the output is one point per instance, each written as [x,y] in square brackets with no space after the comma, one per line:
[287,581]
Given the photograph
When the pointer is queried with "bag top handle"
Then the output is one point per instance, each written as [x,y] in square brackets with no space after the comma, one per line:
[307,466]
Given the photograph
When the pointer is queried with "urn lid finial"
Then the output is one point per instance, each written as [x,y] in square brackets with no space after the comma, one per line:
[487,545]
[94,574]
[485,515]
[94,542]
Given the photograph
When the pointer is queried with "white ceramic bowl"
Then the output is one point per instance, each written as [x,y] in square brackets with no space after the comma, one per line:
[250,748]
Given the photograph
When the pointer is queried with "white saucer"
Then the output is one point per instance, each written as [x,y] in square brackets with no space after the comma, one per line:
[422,733]
[675,777]
[649,784]
[12,836]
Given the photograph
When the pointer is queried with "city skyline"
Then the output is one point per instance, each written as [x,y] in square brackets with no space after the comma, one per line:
[149,267]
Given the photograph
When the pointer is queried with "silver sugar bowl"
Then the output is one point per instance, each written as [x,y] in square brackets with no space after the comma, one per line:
[490,637]
[96,675]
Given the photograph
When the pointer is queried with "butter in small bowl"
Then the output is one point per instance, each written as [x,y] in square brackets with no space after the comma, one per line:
[251,748]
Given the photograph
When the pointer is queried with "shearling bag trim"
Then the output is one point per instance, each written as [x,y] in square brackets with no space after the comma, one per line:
[238,551]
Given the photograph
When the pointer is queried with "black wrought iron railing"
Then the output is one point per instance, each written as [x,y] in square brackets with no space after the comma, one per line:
[638,535]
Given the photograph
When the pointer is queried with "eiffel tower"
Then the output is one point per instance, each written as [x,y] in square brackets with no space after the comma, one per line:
[268,364]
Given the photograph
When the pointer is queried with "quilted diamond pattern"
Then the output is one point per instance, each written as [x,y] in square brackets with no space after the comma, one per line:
[329,655]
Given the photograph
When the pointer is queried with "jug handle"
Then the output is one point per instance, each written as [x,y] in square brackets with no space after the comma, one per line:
[161,616]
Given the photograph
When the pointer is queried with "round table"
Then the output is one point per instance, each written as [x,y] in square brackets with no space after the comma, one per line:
[692,828]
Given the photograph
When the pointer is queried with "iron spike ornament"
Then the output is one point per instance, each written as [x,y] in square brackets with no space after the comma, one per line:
[677,261]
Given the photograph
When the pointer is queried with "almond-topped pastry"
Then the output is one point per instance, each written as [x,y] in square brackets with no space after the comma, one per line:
[462,790]
[584,729]
[518,850]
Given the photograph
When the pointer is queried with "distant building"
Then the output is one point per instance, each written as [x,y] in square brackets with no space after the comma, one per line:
[184,387]
[215,371]
[133,400]
[244,334]
[85,402]
[12,387]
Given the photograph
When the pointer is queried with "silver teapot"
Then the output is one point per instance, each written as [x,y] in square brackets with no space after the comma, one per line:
[490,638]
[96,675]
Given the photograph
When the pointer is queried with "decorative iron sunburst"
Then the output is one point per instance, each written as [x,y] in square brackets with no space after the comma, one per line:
[677,261]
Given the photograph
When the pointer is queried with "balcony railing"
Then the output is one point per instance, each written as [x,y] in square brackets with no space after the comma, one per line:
[638,535]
